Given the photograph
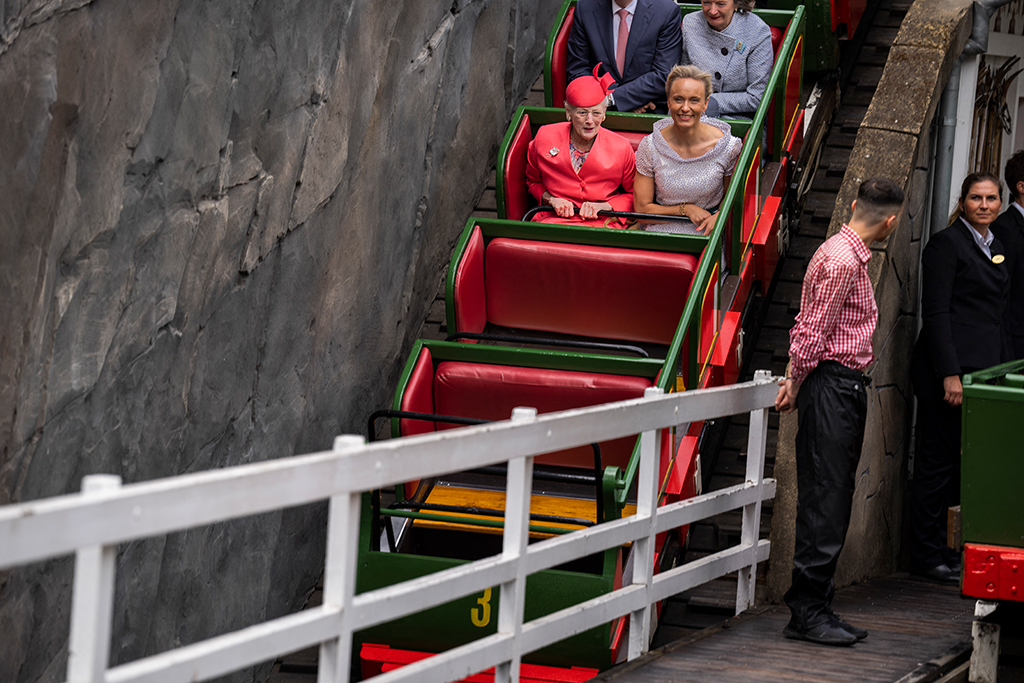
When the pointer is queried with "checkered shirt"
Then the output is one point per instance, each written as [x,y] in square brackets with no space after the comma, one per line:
[837,308]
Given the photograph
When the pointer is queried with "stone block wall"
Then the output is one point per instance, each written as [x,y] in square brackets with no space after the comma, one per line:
[894,141]
[221,225]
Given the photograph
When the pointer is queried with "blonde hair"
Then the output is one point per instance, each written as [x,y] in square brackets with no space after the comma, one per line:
[688,71]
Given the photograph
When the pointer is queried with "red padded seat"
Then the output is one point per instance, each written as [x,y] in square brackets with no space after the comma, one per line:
[560,60]
[470,307]
[592,291]
[419,396]
[517,198]
[490,392]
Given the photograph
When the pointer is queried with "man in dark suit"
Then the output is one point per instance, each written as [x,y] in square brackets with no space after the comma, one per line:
[1009,229]
[964,286]
[652,47]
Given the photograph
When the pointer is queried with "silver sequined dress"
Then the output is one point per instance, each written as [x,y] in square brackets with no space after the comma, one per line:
[676,180]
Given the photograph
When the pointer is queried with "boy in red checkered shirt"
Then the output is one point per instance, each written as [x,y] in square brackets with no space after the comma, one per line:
[830,348]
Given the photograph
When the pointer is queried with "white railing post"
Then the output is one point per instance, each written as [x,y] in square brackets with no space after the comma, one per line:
[92,601]
[643,549]
[756,440]
[340,572]
[516,537]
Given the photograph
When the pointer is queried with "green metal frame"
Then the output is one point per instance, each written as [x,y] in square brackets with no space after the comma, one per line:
[992,466]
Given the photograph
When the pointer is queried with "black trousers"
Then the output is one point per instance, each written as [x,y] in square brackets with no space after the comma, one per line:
[936,485]
[832,406]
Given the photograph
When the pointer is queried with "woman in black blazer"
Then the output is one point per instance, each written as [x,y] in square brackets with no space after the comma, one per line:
[965,284]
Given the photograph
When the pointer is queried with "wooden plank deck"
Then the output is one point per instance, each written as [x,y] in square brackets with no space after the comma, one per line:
[914,626]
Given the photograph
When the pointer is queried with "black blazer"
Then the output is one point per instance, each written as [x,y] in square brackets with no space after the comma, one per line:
[1009,229]
[963,294]
[654,47]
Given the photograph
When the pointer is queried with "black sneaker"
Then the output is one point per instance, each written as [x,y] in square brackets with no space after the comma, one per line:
[855,631]
[823,633]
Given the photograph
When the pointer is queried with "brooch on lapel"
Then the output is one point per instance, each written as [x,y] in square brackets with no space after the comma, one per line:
[998,258]
[740,46]
[553,151]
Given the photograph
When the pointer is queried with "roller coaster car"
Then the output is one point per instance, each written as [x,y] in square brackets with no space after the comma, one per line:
[755,207]
[584,287]
[666,294]
[992,478]
[514,200]
[439,524]
[780,22]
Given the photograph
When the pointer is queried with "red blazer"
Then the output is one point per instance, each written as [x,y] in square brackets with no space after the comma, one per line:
[606,175]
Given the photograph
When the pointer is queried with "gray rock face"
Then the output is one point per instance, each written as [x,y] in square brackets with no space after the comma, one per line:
[221,225]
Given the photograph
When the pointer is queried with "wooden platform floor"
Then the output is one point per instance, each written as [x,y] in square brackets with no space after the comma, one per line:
[915,627]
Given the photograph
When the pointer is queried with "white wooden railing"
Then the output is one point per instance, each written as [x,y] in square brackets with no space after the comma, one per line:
[91,525]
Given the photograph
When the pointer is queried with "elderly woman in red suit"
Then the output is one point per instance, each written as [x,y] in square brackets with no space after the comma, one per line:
[579,164]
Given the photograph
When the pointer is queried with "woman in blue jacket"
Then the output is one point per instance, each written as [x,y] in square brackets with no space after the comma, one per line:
[735,47]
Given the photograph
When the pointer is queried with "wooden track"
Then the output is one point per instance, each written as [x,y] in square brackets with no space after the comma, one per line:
[915,629]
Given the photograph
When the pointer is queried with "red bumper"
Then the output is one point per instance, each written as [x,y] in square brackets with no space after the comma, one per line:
[993,572]
[376,659]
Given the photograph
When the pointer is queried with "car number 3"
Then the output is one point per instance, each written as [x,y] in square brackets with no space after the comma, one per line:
[481,616]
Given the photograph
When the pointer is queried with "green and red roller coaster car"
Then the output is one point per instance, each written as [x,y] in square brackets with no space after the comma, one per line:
[558,317]
[991,482]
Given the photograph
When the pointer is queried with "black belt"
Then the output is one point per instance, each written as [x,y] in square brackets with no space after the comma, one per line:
[837,369]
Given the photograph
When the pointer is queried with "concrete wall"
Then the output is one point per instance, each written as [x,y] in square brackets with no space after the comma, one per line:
[220,228]
[894,141]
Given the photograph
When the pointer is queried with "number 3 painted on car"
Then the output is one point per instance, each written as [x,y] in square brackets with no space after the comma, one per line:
[481,616]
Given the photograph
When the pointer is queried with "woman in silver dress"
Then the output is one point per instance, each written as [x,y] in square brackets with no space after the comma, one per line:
[683,166]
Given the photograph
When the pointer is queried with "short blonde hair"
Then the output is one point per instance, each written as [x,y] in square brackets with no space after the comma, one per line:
[688,71]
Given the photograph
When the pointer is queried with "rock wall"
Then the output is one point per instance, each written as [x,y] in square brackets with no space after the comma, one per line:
[894,141]
[221,225]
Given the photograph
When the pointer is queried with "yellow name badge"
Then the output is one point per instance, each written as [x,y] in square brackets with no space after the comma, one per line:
[998,258]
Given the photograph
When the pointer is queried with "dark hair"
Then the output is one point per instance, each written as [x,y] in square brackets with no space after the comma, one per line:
[1014,172]
[965,187]
[688,71]
[877,199]
[743,5]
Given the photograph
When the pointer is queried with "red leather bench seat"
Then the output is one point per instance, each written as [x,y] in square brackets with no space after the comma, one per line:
[517,198]
[592,291]
[418,396]
[490,392]
[560,60]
